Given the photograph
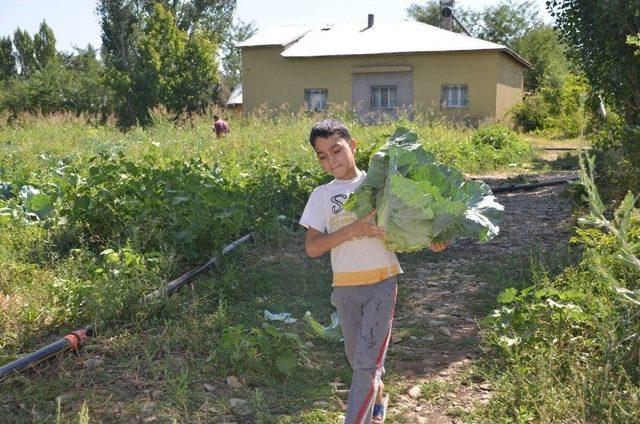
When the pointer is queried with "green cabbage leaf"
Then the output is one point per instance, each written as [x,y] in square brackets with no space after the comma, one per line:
[420,201]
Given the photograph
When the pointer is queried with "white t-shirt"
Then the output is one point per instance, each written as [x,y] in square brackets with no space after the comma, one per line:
[357,261]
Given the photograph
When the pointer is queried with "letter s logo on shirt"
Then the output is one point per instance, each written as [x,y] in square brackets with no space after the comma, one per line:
[338,202]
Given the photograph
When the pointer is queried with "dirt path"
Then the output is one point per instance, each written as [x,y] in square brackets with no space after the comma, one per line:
[437,336]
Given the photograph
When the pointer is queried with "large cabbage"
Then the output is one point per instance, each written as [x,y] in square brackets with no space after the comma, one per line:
[420,201]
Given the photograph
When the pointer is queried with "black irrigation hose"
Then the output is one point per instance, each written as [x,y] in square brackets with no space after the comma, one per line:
[174,285]
[516,187]
[566,149]
[74,339]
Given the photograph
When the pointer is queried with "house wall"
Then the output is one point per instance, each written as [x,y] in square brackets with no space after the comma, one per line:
[361,89]
[510,87]
[272,81]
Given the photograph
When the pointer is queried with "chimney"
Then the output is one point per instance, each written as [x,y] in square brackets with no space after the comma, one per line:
[369,20]
[446,19]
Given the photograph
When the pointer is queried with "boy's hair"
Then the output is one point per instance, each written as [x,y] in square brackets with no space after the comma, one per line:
[215,116]
[327,128]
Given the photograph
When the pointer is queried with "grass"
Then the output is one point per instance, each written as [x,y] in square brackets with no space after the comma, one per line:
[100,250]
[546,364]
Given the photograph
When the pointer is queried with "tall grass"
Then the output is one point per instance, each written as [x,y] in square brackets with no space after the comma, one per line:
[130,209]
[567,347]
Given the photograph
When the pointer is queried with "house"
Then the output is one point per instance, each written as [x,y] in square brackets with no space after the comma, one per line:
[380,68]
[235,100]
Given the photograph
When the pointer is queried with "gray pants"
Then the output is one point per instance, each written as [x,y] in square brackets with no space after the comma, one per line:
[366,314]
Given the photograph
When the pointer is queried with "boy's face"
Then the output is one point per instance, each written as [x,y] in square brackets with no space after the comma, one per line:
[336,156]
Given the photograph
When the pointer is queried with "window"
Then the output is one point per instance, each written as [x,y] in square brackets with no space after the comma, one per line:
[384,97]
[316,98]
[454,96]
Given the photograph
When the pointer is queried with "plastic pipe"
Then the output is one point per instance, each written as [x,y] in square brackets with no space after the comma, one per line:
[73,340]
[516,187]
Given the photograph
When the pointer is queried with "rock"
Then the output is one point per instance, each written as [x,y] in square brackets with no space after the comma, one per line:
[415,295]
[148,407]
[321,404]
[150,419]
[233,382]
[395,339]
[208,387]
[93,363]
[342,392]
[336,384]
[413,338]
[443,373]
[415,392]
[444,330]
[485,386]
[240,406]
[470,320]
[435,323]
[310,344]
[156,394]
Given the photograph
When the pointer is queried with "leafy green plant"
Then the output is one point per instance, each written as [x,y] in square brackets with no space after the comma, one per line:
[497,136]
[251,348]
[531,113]
[567,348]
[420,201]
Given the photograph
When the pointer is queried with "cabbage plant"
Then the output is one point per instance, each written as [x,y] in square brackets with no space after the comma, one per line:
[420,201]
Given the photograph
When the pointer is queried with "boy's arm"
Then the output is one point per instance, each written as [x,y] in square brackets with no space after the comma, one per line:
[317,243]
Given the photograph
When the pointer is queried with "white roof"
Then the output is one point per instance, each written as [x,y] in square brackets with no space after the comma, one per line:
[382,38]
[277,36]
[236,96]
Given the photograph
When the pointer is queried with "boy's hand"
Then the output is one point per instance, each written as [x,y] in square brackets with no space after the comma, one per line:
[365,227]
[438,247]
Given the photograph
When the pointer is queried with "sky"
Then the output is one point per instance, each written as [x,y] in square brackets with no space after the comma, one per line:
[75,23]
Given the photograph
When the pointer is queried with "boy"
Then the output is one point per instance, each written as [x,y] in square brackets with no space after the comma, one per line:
[364,271]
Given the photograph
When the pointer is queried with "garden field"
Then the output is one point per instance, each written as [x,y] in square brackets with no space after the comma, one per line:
[92,219]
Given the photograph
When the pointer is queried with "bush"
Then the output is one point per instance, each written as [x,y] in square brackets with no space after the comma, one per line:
[497,136]
[617,152]
[566,349]
[531,113]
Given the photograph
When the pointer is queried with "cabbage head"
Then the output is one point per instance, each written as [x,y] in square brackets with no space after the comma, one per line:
[420,201]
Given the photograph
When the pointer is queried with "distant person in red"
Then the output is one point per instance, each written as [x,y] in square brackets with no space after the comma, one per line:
[220,126]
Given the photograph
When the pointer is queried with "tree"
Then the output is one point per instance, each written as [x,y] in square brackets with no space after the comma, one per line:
[430,13]
[156,71]
[7,59]
[87,91]
[507,22]
[141,49]
[596,34]
[232,55]
[198,75]
[542,47]
[44,43]
[214,16]
[25,52]
[120,22]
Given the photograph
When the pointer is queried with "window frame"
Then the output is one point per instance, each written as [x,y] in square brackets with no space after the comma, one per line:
[443,104]
[308,92]
[387,87]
